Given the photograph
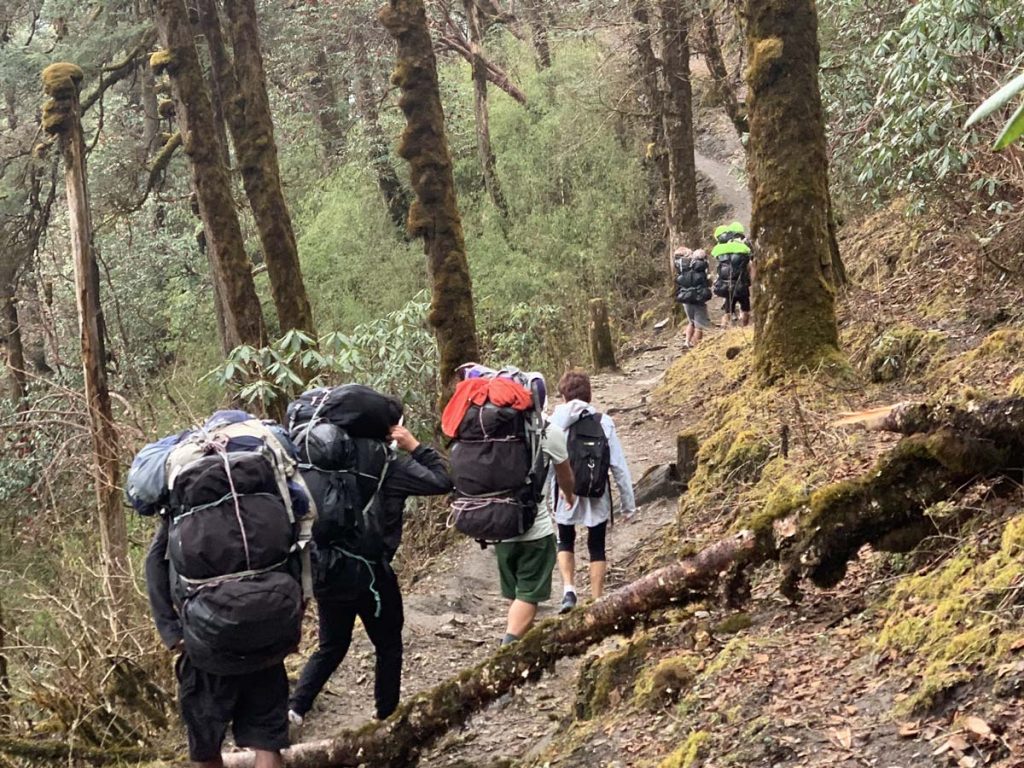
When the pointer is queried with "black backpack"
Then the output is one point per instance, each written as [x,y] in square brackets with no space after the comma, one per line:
[233,546]
[692,281]
[589,456]
[344,474]
[733,268]
[498,469]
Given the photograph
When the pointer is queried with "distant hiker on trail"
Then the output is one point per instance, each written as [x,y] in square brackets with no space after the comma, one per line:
[225,575]
[693,289]
[732,252]
[502,451]
[594,452]
[360,485]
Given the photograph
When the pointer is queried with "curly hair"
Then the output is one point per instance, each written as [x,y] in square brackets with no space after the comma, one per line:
[575,385]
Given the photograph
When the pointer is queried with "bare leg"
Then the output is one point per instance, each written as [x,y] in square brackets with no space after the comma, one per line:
[598,569]
[567,567]
[744,318]
[215,763]
[698,334]
[265,759]
[689,335]
[520,617]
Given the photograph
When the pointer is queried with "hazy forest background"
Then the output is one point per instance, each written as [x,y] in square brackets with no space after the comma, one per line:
[572,149]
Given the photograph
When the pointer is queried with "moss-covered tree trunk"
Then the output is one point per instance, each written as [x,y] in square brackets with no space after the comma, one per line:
[333,130]
[483,122]
[243,318]
[677,111]
[715,60]
[10,325]
[220,76]
[794,312]
[434,215]
[62,117]
[539,32]
[252,131]
[396,197]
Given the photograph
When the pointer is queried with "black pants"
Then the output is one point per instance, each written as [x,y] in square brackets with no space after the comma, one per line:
[337,618]
[595,540]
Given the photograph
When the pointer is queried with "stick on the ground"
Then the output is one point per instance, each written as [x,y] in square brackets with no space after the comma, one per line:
[423,719]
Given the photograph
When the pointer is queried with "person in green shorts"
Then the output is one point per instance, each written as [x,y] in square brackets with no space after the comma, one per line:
[525,563]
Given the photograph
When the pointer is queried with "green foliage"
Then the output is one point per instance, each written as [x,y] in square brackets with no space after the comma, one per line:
[394,354]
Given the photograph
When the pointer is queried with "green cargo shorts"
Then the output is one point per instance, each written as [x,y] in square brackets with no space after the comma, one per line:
[525,568]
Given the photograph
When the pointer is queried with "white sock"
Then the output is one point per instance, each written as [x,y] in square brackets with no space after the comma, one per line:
[567,589]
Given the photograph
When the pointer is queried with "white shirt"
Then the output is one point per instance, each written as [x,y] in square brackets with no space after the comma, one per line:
[594,511]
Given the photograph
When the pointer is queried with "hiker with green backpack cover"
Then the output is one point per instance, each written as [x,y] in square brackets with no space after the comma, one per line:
[596,456]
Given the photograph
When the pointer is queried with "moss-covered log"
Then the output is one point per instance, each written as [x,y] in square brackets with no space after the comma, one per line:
[252,132]
[1001,421]
[435,214]
[397,742]
[794,312]
[887,506]
[232,271]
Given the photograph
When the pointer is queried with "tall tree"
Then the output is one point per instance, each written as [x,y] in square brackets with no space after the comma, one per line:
[434,215]
[62,117]
[252,132]
[332,122]
[794,319]
[539,31]
[396,197]
[649,68]
[715,60]
[683,215]
[483,124]
[232,271]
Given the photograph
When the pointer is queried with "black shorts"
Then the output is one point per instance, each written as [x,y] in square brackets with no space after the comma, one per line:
[741,300]
[255,705]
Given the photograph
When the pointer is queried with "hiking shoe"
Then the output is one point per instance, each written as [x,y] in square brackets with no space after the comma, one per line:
[295,721]
[568,602]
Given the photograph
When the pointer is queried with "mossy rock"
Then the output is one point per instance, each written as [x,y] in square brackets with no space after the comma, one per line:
[730,625]
[667,682]
[687,753]
[901,351]
[603,679]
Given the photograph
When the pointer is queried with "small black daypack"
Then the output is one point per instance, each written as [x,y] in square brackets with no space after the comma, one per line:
[589,456]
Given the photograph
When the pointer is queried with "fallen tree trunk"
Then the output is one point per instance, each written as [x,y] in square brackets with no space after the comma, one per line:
[399,740]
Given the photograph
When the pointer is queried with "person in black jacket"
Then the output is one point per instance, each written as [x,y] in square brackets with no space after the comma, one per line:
[379,605]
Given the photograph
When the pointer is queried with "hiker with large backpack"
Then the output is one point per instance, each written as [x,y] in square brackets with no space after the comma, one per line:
[348,440]
[227,575]
[502,452]
[596,456]
[693,290]
[733,254]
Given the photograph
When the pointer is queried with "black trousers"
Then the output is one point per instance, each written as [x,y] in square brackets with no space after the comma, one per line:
[337,618]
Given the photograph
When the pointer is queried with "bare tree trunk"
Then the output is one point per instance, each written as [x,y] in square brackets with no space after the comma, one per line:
[62,117]
[150,116]
[483,128]
[397,742]
[719,72]
[252,130]
[602,351]
[396,197]
[683,216]
[539,31]
[435,214]
[456,41]
[243,319]
[837,269]
[649,67]
[333,132]
[794,318]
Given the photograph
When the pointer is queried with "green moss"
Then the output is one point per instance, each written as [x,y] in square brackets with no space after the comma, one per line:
[160,61]
[1017,386]
[945,623]
[730,625]
[666,683]
[62,79]
[688,752]
[602,679]
[901,351]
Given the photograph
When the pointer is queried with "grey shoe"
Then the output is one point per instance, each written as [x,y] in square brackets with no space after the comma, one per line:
[568,602]
[294,726]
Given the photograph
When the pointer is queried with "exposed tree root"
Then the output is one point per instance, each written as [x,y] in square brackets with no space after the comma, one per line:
[421,720]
